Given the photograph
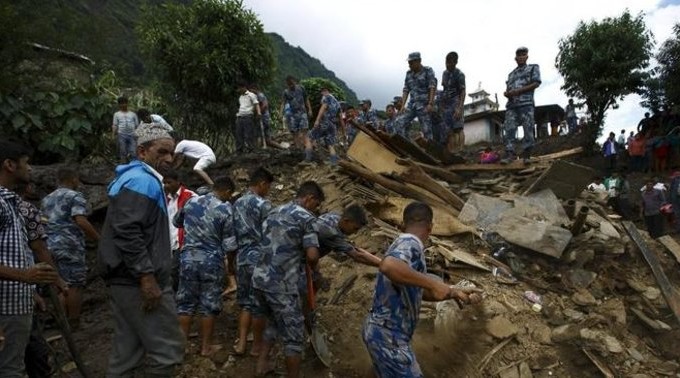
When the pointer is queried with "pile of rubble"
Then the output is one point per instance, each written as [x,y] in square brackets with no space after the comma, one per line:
[570,289]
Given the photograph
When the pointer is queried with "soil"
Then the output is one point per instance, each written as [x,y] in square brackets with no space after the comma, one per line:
[464,349]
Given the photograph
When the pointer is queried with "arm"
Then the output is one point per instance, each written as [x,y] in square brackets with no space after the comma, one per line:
[322,110]
[362,256]
[312,255]
[87,227]
[460,107]
[309,106]
[38,274]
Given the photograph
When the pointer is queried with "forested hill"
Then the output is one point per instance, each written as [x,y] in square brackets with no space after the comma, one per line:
[295,61]
[105,32]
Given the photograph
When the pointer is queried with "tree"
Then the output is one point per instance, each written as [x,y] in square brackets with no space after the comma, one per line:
[602,62]
[199,53]
[669,67]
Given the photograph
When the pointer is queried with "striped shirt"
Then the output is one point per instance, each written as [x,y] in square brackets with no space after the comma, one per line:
[16,298]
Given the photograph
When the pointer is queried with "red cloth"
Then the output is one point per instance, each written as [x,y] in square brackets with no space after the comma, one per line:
[182,198]
[488,157]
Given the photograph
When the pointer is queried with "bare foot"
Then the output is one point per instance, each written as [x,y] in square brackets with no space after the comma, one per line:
[239,347]
[210,350]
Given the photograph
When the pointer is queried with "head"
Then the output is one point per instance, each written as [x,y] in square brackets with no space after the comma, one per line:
[325,91]
[390,110]
[223,188]
[414,62]
[352,220]
[351,111]
[261,181]
[612,135]
[417,220]
[310,195]
[397,100]
[631,133]
[144,115]
[647,115]
[649,183]
[254,88]
[451,60]
[155,147]
[241,87]
[366,105]
[571,101]
[597,179]
[615,173]
[521,56]
[623,131]
[290,82]
[14,168]
[171,181]
[123,103]
[68,178]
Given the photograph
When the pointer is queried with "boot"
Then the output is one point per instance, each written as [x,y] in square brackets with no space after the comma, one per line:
[509,157]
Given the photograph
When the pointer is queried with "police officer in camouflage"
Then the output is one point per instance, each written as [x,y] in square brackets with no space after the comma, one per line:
[250,211]
[289,242]
[519,110]
[420,83]
[451,104]
[401,286]
[390,122]
[66,210]
[325,127]
[300,109]
[209,236]
[333,230]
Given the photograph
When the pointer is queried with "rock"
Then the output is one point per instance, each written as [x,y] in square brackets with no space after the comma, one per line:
[564,333]
[204,364]
[511,372]
[525,371]
[501,328]
[579,256]
[492,307]
[583,298]
[636,285]
[602,341]
[651,293]
[540,332]
[637,356]
[69,367]
[614,309]
[573,314]
[581,278]
[668,367]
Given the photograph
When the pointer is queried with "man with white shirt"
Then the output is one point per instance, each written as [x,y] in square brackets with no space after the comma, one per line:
[196,150]
[245,132]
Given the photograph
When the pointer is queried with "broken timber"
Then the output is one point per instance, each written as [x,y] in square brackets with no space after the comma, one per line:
[671,246]
[440,172]
[515,165]
[669,293]
[416,175]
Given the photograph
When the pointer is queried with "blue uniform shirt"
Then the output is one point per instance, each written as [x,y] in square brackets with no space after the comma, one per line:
[418,86]
[296,99]
[396,307]
[288,231]
[250,212]
[331,238]
[453,83]
[332,110]
[208,227]
[64,238]
[521,77]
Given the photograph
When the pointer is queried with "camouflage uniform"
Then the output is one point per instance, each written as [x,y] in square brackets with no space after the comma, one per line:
[331,238]
[288,231]
[298,113]
[65,239]
[520,109]
[389,327]
[454,85]
[250,211]
[371,116]
[209,236]
[326,133]
[390,125]
[418,85]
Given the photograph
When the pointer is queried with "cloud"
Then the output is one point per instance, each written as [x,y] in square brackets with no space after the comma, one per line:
[366,42]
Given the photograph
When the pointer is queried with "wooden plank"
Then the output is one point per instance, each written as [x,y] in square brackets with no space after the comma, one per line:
[601,366]
[669,293]
[373,155]
[515,165]
[444,222]
[458,255]
[558,155]
[412,149]
[671,245]
[416,175]
[439,172]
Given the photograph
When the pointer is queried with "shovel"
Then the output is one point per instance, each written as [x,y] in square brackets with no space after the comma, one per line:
[318,337]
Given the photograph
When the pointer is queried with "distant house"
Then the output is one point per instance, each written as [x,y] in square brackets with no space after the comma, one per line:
[484,122]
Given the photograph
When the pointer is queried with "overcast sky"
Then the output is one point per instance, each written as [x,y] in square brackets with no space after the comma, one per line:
[366,42]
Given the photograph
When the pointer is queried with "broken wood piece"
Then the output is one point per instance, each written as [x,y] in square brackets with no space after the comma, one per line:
[444,223]
[416,175]
[493,351]
[457,255]
[558,155]
[654,324]
[601,366]
[403,189]
[580,219]
[667,289]
[343,288]
[439,172]
[671,245]
[413,150]
[372,133]
[372,155]
[513,166]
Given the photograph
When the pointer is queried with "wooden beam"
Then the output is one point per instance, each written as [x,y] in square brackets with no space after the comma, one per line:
[439,172]
[669,293]
[515,165]
[558,155]
[416,175]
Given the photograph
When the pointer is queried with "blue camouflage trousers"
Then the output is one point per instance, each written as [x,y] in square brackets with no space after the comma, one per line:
[244,290]
[410,113]
[514,117]
[284,319]
[73,272]
[390,352]
[325,134]
[297,122]
[200,285]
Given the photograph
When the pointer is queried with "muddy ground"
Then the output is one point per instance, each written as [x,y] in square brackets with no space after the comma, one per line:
[504,337]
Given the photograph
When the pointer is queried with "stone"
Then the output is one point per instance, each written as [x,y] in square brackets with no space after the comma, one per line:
[602,340]
[540,332]
[525,371]
[651,293]
[636,285]
[583,298]
[511,372]
[579,256]
[637,356]
[492,307]
[581,278]
[501,328]
[564,333]
[614,308]
[573,314]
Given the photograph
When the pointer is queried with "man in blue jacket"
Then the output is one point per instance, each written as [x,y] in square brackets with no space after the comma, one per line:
[135,261]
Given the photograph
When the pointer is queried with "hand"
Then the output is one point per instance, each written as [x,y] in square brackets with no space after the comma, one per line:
[507,94]
[41,273]
[151,293]
[62,286]
[466,295]
[429,108]
[316,124]
[39,302]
